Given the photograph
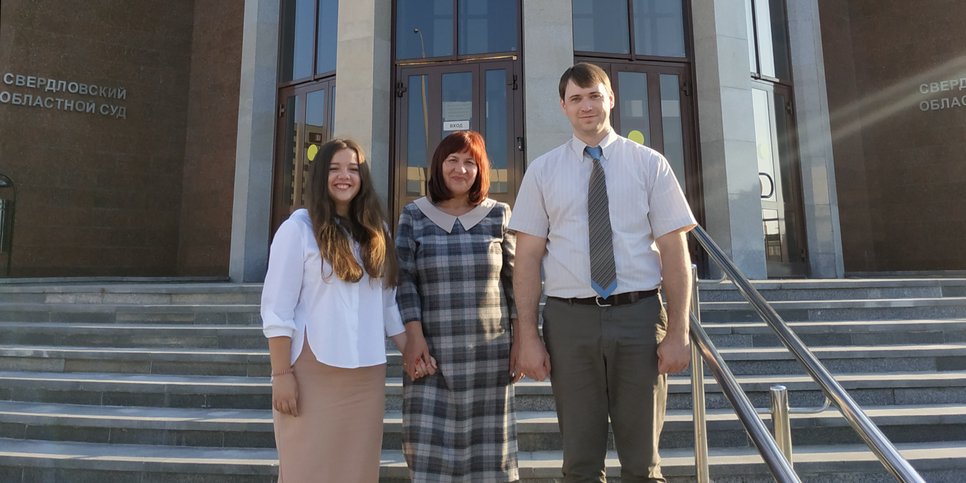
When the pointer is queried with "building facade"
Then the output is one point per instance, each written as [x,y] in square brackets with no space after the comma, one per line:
[812,139]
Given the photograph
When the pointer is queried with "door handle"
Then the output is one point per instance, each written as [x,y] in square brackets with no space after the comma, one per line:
[765,177]
[520,144]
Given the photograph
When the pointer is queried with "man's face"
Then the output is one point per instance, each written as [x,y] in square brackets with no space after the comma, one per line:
[588,108]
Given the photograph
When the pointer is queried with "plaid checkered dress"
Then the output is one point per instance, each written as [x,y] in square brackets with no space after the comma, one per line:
[455,277]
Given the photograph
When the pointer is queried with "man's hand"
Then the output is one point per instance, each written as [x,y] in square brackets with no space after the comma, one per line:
[529,357]
[674,352]
[673,355]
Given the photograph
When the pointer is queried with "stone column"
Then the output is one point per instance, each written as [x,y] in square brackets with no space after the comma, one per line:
[251,212]
[363,93]
[729,162]
[549,44]
[823,232]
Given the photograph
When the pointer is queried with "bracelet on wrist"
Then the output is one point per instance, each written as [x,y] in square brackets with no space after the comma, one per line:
[283,372]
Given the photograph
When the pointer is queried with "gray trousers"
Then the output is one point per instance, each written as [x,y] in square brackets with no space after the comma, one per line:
[604,362]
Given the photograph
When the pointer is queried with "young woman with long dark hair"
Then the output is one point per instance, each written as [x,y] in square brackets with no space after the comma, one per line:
[327,306]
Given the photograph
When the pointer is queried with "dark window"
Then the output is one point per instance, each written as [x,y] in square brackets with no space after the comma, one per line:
[299,31]
[328,36]
[487,27]
[606,27]
[659,28]
[601,26]
[308,39]
[768,39]
[424,28]
[435,29]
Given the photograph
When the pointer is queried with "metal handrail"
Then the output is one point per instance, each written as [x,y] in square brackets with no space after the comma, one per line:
[884,450]
[779,466]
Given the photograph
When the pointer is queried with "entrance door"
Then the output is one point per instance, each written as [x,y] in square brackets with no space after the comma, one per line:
[305,123]
[653,108]
[778,174]
[433,101]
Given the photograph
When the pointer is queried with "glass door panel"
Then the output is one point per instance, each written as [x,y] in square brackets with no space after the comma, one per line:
[635,117]
[457,103]
[315,135]
[498,130]
[651,110]
[780,186]
[417,136]
[672,125]
[305,119]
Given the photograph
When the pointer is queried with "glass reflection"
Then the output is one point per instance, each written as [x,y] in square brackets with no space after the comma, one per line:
[672,126]
[634,113]
[424,28]
[417,136]
[659,28]
[486,27]
[298,43]
[766,52]
[750,26]
[314,134]
[497,120]
[328,36]
[764,143]
[601,26]
[457,102]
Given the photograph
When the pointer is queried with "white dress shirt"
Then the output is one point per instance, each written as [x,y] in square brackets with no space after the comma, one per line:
[346,324]
[646,202]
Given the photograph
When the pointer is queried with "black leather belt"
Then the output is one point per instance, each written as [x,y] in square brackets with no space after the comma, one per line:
[617,299]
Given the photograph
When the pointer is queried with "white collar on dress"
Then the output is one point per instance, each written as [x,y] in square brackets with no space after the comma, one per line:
[446,221]
[607,144]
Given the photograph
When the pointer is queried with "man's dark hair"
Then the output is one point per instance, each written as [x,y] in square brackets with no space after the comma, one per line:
[584,75]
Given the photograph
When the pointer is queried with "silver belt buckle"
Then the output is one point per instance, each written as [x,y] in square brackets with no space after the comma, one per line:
[598,298]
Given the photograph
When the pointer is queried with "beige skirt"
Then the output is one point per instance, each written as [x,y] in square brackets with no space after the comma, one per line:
[337,436]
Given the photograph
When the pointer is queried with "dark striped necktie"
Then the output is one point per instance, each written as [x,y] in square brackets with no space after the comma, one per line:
[603,271]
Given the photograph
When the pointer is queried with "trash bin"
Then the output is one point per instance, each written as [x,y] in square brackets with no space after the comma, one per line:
[8,200]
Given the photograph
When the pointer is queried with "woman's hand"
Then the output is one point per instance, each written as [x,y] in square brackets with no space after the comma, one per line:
[417,362]
[285,394]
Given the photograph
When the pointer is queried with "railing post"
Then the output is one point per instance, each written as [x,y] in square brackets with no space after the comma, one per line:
[702,474]
[780,420]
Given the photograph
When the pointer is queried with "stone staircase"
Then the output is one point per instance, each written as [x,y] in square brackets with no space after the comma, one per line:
[167,382]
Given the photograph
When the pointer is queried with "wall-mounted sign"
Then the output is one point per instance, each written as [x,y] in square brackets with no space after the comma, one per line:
[956,100]
[455,125]
[48,93]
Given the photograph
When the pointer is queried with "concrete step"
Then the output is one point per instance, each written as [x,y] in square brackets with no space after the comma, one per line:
[132,335]
[29,461]
[138,360]
[255,362]
[204,314]
[841,333]
[724,334]
[839,310]
[191,293]
[537,430]
[853,359]
[837,289]
[237,392]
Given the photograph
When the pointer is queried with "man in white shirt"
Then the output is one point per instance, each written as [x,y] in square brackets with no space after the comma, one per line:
[608,221]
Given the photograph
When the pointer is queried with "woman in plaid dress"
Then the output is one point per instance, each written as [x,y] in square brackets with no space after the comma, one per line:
[456,299]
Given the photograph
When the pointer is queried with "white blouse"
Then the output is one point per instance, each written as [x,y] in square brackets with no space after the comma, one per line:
[345,323]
